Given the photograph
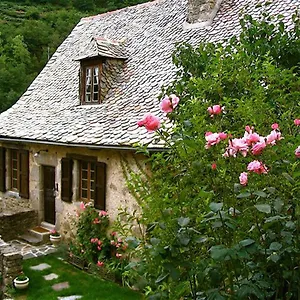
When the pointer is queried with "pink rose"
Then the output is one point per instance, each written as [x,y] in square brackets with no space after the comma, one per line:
[258,148]
[211,139]
[168,104]
[215,110]
[297,122]
[297,152]
[239,145]
[118,255]
[257,167]
[82,206]
[213,166]
[222,135]
[275,126]
[100,263]
[273,137]
[243,178]
[150,122]
[102,213]
[251,138]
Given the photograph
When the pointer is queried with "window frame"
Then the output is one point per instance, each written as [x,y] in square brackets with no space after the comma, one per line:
[88,179]
[90,64]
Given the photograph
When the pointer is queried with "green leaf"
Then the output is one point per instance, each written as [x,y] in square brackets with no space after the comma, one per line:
[274,257]
[154,241]
[247,242]
[215,207]
[275,246]
[265,208]
[260,194]
[218,252]
[183,222]
[288,177]
[243,195]
[278,204]
[184,239]
[161,278]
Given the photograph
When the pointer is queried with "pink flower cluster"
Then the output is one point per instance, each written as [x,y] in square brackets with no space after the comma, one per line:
[297,122]
[97,242]
[214,138]
[153,123]
[252,142]
[215,110]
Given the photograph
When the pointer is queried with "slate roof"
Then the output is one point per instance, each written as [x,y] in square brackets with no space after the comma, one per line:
[50,111]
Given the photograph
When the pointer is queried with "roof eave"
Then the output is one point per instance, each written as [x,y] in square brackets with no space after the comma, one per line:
[77,145]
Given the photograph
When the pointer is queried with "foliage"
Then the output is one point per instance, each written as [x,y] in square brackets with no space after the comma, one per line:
[210,234]
[30,32]
[93,243]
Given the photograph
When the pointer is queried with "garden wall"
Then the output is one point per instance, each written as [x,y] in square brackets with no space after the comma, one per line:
[13,224]
[10,265]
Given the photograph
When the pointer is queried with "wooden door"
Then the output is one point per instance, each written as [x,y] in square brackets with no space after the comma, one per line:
[49,194]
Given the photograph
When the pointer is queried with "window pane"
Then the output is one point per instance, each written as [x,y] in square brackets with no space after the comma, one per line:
[92,185]
[84,194]
[84,184]
[14,174]
[95,97]
[15,164]
[96,74]
[92,195]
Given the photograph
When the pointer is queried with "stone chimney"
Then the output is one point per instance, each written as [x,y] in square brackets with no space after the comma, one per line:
[202,11]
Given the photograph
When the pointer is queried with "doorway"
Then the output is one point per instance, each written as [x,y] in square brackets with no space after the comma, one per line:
[49,194]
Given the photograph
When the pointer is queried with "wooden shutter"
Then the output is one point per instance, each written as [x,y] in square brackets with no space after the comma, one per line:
[66,179]
[100,196]
[24,174]
[2,169]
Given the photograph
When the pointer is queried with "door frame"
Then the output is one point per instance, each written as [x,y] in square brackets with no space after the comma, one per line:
[52,219]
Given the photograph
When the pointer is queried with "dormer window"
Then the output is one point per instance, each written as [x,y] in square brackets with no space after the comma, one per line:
[90,81]
[101,63]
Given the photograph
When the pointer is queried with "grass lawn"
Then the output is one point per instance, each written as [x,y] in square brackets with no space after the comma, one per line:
[81,283]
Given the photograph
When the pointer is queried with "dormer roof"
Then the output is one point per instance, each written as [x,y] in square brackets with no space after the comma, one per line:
[103,47]
[50,110]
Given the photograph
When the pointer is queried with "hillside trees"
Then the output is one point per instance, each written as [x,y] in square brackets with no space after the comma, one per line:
[36,28]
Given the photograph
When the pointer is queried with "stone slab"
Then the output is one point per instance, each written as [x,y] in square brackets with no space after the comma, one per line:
[73,297]
[50,276]
[60,286]
[40,267]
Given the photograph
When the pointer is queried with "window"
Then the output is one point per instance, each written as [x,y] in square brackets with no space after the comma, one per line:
[17,171]
[92,180]
[90,81]
[87,181]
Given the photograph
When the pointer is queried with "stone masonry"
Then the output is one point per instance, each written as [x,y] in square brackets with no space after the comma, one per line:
[16,217]
[10,264]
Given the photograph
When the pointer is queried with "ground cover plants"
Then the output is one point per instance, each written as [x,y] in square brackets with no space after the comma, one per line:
[81,283]
[222,207]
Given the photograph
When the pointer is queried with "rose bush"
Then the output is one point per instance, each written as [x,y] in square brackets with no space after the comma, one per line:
[222,207]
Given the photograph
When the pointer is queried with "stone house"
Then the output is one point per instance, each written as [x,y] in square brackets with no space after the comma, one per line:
[63,140]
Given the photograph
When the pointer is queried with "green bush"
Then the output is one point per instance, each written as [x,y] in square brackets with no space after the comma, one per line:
[217,228]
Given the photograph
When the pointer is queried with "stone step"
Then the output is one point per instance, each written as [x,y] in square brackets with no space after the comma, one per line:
[48,226]
[31,239]
[40,233]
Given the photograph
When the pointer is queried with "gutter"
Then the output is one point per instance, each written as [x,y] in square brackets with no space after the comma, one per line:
[77,145]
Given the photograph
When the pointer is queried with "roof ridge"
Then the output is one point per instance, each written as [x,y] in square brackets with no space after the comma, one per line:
[141,5]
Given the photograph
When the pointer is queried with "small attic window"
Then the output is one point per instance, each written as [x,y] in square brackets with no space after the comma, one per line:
[90,81]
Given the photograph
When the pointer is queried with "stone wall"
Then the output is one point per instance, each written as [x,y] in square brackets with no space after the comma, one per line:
[10,265]
[14,223]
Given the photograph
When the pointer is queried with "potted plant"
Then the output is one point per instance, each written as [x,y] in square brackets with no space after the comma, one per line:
[21,281]
[55,237]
